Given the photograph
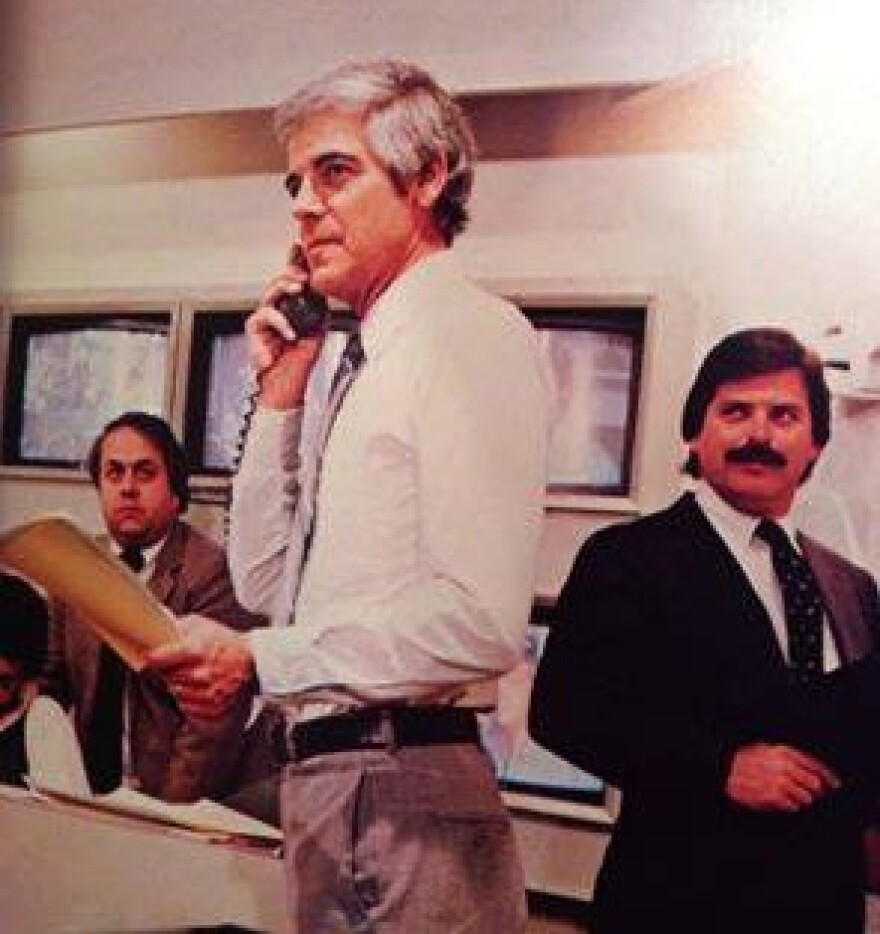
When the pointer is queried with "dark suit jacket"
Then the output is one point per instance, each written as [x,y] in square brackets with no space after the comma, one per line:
[173,757]
[662,664]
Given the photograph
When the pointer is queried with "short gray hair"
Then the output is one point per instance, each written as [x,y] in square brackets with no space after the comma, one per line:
[410,123]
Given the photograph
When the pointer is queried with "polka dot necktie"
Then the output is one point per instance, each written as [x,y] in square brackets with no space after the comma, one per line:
[802,599]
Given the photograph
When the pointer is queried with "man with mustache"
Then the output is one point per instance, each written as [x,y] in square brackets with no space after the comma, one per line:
[696,666]
[129,726]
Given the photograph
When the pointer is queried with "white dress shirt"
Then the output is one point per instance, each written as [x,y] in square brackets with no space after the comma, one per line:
[737,530]
[420,576]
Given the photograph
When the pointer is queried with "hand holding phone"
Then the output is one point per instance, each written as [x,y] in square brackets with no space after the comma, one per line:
[306,311]
[285,334]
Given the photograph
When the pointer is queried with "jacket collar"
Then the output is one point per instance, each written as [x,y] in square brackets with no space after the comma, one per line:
[169,562]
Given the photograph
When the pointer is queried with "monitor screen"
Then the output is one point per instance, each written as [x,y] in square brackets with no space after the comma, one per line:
[595,358]
[69,374]
[219,387]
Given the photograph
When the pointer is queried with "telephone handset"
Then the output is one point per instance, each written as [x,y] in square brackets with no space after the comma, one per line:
[307,311]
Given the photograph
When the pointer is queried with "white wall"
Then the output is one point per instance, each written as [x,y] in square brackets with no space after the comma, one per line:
[75,62]
[785,229]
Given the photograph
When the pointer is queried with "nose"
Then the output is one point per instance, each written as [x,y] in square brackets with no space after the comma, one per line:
[128,487]
[760,426]
[306,202]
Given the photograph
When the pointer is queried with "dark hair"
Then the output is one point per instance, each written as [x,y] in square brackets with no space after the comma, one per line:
[24,624]
[755,352]
[410,122]
[159,432]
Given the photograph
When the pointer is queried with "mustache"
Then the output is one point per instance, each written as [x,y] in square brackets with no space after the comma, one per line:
[756,453]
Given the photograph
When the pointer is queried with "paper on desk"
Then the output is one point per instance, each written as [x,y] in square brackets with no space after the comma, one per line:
[53,753]
[55,770]
[204,815]
[70,564]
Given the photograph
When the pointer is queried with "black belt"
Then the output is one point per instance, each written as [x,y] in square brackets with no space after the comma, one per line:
[373,728]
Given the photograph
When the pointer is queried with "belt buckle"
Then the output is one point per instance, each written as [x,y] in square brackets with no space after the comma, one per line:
[387,734]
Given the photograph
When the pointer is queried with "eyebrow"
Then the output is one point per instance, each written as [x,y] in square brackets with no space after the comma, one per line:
[775,405]
[136,464]
[293,179]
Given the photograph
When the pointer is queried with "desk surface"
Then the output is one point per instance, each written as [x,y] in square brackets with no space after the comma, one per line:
[67,869]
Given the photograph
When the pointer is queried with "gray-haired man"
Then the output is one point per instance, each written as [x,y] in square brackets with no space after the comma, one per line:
[403,546]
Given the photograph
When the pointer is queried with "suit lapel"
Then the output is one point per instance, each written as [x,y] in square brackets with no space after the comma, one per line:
[850,628]
[169,562]
[723,575]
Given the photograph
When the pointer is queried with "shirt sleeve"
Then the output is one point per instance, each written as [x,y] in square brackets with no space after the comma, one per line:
[265,493]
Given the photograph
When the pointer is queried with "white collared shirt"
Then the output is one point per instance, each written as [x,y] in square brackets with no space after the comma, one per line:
[421,572]
[737,530]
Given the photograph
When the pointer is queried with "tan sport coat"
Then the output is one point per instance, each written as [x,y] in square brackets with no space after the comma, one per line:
[172,757]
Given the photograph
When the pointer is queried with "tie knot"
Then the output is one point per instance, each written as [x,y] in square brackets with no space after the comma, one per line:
[773,534]
[354,349]
[133,556]
[349,363]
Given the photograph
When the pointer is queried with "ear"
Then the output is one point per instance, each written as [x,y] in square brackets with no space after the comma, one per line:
[431,182]
[692,463]
[811,466]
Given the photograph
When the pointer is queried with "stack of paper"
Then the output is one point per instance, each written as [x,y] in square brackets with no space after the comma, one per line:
[71,566]
[56,771]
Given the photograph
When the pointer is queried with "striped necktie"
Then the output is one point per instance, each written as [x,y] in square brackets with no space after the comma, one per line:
[350,362]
